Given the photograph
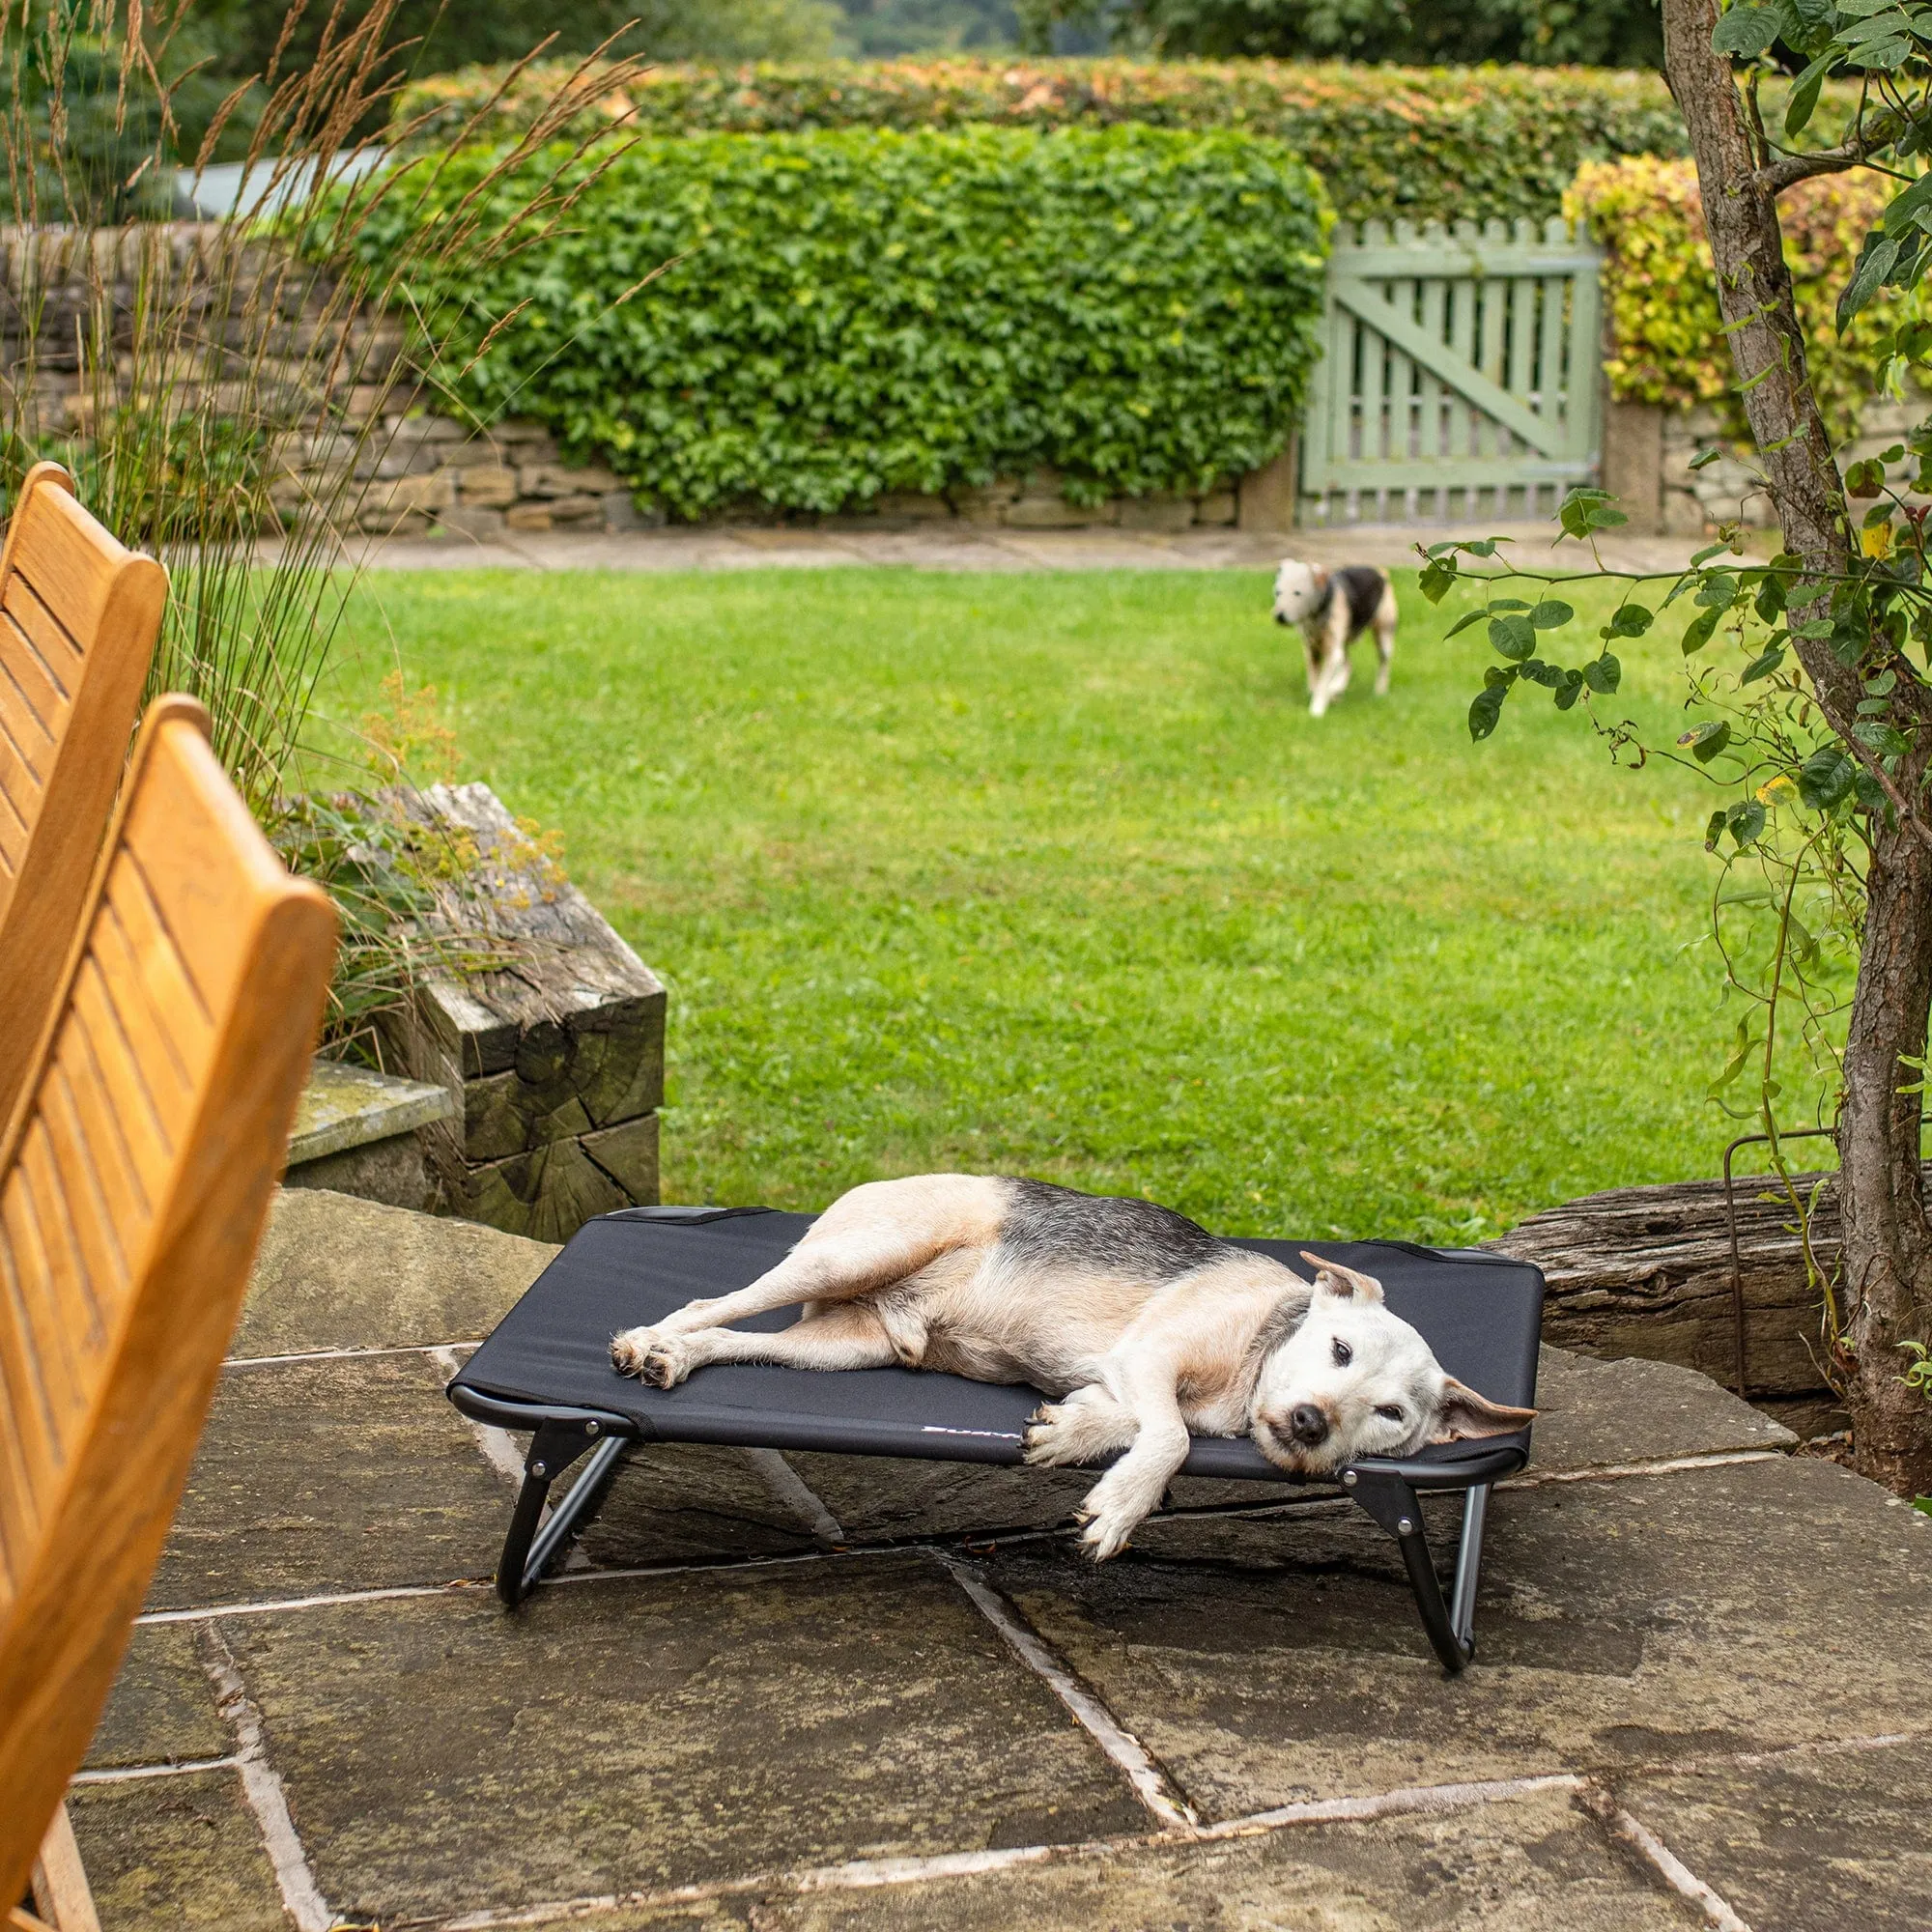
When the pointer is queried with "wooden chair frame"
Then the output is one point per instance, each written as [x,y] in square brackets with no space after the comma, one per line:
[79,615]
[135,1181]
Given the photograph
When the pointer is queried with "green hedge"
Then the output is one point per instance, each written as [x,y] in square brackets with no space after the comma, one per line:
[1421,143]
[1666,325]
[856,312]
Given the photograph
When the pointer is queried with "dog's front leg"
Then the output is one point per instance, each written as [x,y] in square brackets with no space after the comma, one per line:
[1123,1499]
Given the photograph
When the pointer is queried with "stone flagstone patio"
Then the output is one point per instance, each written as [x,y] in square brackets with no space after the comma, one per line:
[805,1692]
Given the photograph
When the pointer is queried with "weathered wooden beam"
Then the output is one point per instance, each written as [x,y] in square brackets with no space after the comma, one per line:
[555,1046]
[1647,1271]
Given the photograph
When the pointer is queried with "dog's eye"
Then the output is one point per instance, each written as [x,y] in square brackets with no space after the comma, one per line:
[1390,1413]
[1343,1354]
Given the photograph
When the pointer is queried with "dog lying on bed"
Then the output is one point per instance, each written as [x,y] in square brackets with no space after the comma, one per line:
[1333,609]
[1144,1326]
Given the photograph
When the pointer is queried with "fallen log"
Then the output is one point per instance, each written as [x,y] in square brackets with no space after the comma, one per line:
[1647,1271]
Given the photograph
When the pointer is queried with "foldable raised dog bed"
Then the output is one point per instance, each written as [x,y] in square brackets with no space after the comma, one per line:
[547,1369]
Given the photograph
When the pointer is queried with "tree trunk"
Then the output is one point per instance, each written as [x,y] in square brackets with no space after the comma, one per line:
[1887,1256]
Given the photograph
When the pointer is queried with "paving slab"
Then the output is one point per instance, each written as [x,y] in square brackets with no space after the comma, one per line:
[339,1272]
[689,1502]
[345,1473]
[620,1735]
[1595,1416]
[168,1853]
[163,1709]
[1619,1624]
[1823,1843]
[1536,1865]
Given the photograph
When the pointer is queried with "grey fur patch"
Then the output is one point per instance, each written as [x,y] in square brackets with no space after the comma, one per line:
[1284,1319]
[1049,1227]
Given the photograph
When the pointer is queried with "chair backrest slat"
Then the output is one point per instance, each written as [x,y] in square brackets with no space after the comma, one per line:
[134,1179]
[79,615]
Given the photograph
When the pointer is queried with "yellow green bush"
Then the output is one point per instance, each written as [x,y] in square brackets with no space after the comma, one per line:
[1667,333]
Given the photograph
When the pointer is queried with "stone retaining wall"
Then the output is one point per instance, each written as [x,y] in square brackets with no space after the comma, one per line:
[323,385]
[1648,450]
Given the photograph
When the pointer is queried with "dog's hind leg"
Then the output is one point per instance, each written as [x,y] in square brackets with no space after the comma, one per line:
[1384,623]
[1088,1425]
[851,1337]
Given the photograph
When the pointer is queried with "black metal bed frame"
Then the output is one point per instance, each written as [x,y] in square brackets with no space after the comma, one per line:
[1388,1490]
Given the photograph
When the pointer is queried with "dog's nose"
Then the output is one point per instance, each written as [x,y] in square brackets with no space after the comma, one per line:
[1307,1424]
[1280,618]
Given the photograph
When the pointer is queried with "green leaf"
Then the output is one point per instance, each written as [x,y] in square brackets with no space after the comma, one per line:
[1749,31]
[1704,458]
[1708,550]
[1719,591]
[1552,614]
[1436,578]
[1569,689]
[1747,821]
[1464,622]
[1585,510]
[1708,739]
[1804,100]
[1763,664]
[1874,264]
[1881,740]
[1512,637]
[1604,674]
[1630,620]
[1769,604]
[1715,830]
[1498,605]
[1866,478]
[1484,709]
[1698,633]
[1824,777]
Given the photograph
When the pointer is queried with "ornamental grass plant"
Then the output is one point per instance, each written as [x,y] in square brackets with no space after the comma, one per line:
[189,374]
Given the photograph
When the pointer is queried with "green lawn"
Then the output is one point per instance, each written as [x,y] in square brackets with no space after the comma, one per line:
[1054,874]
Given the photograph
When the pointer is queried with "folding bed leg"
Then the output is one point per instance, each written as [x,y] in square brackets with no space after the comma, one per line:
[553,1448]
[1468,1565]
[1392,1502]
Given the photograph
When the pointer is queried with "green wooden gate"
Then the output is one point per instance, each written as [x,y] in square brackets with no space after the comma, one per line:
[1459,379]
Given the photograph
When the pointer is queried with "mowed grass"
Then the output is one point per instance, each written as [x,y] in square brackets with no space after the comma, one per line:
[1055,875]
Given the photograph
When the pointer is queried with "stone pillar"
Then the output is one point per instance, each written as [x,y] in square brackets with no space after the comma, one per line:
[1634,464]
[555,1054]
[1267,496]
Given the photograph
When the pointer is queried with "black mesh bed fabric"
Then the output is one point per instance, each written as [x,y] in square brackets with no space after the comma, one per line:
[1480,1314]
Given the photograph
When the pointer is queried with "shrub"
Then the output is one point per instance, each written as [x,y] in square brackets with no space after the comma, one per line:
[849,313]
[1666,325]
[1419,143]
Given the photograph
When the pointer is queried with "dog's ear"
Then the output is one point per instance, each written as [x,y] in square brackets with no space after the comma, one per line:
[1319,573]
[1343,1283]
[1465,1415]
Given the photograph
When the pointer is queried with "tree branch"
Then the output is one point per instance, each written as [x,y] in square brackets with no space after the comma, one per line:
[1777,176]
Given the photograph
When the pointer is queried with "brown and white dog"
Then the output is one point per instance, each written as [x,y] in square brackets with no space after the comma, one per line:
[1142,1326]
[1333,609]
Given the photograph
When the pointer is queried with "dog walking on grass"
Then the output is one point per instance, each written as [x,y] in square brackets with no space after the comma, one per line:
[1333,609]
[1138,1325]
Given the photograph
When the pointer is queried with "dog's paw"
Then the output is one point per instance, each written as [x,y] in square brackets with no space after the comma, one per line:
[661,1360]
[1107,1532]
[1051,1437]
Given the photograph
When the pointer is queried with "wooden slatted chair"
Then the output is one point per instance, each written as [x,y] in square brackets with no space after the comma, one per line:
[78,619]
[135,1181]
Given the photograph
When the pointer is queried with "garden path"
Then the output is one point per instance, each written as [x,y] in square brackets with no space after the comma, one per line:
[805,1691]
[970,547]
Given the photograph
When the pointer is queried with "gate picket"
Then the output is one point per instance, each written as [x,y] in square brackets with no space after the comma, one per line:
[1460,377]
